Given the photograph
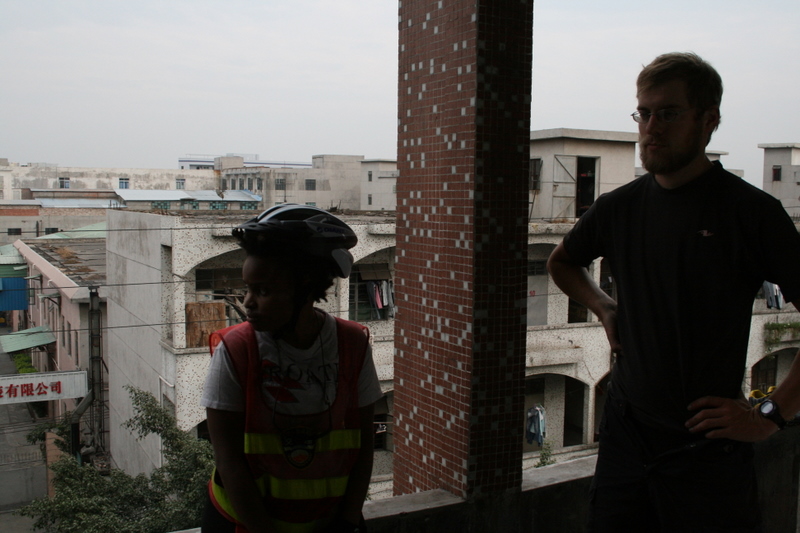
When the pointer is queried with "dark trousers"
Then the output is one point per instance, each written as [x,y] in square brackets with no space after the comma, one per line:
[214,522]
[653,481]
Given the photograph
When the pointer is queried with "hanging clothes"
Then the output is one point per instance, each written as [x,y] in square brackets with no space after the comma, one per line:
[531,426]
[773,296]
[535,425]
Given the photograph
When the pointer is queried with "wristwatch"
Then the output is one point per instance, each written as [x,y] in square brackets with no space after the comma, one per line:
[769,410]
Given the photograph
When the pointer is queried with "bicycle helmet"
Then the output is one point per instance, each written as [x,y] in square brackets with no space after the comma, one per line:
[305,228]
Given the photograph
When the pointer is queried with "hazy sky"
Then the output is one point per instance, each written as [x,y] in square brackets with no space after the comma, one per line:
[139,84]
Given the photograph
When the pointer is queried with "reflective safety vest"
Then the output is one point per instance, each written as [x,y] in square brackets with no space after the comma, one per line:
[301,478]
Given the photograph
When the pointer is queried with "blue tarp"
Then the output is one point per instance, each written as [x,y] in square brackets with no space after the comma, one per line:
[13,294]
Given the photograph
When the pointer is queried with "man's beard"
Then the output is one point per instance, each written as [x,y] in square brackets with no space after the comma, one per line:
[669,160]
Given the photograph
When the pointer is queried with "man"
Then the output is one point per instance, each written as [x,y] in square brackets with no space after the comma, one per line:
[689,246]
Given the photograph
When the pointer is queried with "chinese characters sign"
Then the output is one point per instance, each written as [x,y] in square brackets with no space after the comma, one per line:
[43,386]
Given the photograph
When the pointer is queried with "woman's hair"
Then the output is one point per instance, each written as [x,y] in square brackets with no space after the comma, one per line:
[311,274]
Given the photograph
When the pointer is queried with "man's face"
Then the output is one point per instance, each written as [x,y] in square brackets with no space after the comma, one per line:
[270,294]
[668,147]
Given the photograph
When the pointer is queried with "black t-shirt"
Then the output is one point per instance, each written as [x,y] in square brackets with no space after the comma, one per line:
[688,263]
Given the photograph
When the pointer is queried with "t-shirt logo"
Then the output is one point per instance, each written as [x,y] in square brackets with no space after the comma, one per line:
[298,447]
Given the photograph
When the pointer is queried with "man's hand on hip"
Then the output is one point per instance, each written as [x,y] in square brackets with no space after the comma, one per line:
[729,419]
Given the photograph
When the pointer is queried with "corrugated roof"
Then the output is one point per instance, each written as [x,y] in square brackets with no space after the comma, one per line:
[84,203]
[227,196]
[210,195]
[92,231]
[241,196]
[10,255]
[21,202]
[26,338]
[82,260]
[152,195]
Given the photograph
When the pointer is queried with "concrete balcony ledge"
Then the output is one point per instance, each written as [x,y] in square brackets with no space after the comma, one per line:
[552,498]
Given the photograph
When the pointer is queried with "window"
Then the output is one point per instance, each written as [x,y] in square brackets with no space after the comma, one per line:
[124,183]
[190,204]
[535,181]
[576,312]
[312,204]
[369,199]
[606,280]
[218,206]
[368,283]
[311,185]
[249,184]
[537,268]
[224,184]
[776,173]
[218,279]
[48,231]
[369,175]
[241,184]
[15,231]
[280,184]
[63,183]
[160,205]
[764,374]
[180,183]
[259,183]
[248,205]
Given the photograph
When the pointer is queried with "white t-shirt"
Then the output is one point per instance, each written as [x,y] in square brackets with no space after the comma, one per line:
[300,382]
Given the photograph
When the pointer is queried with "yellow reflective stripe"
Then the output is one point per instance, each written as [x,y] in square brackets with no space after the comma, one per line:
[262,443]
[221,496]
[270,443]
[306,489]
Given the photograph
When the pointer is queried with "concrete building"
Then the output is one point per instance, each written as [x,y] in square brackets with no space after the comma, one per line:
[782,174]
[188,265]
[570,168]
[332,182]
[379,185]
[180,200]
[62,268]
[210,162]
[15,177]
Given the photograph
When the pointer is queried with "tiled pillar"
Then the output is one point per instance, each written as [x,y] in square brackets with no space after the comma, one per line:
[463,149]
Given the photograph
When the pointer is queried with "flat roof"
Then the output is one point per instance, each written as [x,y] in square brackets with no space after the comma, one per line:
[779,145]
[589,135]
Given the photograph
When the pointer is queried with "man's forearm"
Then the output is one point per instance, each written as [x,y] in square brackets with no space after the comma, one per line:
[576,283]
[787,394]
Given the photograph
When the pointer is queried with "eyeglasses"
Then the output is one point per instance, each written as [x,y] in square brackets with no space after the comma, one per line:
[664,115]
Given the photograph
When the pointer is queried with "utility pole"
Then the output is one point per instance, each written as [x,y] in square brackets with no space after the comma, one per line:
[96,370]
[94,399]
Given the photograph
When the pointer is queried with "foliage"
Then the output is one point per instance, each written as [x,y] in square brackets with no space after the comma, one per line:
[545,455]
[61,428]
[22,360]
[170,499]
[774,332]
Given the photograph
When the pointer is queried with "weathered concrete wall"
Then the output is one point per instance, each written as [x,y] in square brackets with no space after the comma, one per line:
[135,355]
[552,499]
[16,177]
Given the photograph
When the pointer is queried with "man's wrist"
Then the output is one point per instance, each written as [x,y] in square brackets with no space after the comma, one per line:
[770,410]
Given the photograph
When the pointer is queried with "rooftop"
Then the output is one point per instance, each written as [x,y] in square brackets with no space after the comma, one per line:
[589,135]
[82,260]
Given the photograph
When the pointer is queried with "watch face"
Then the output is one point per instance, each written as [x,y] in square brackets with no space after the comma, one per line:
[767,407]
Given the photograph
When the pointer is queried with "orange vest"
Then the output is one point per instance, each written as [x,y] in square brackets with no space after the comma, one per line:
[301,482]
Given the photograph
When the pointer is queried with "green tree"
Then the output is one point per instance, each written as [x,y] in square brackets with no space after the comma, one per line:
[171,498]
